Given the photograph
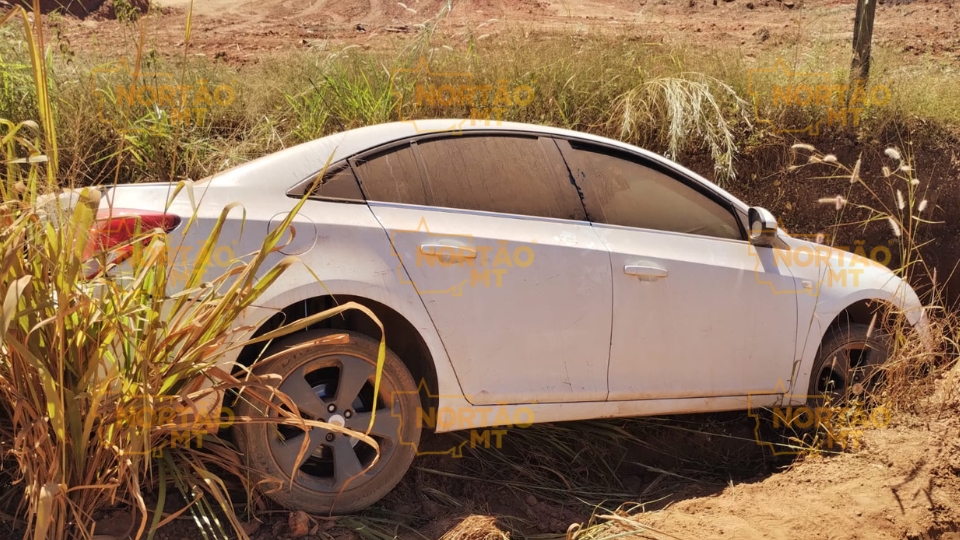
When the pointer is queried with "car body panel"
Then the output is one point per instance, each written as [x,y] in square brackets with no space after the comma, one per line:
[839,279]
[348,237]
[470,416]
[525,319]
[708,327]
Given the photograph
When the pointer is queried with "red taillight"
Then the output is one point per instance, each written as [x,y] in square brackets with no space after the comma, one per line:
[118,227]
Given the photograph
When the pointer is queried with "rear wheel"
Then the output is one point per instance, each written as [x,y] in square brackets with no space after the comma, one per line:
[332,382]
[847,366]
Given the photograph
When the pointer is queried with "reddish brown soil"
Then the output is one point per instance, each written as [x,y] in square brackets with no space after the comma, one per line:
[83,8]
[903,483]
[242,31]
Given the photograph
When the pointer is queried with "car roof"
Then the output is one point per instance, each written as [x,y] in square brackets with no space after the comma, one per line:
[299,162]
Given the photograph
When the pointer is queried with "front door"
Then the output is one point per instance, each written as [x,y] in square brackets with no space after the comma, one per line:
[516,281]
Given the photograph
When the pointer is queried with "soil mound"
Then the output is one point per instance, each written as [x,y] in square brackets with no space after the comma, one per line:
[83,8]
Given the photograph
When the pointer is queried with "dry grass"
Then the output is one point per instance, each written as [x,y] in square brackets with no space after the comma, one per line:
[108,380]
[671,98]
[476,528]
[695,110]
[616,524]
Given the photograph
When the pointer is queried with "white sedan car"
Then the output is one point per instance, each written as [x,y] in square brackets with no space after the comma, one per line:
[523,274]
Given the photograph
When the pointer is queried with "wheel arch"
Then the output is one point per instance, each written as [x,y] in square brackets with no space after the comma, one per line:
[881,313]
[858,308]
[402,336]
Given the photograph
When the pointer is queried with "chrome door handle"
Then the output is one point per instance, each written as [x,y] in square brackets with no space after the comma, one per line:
[645,270]
[442,250]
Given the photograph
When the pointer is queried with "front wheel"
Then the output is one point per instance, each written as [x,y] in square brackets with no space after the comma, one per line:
[331,381]
[847,365]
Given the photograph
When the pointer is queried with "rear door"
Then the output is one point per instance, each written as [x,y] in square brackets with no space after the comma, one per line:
[491,233]
[695,314]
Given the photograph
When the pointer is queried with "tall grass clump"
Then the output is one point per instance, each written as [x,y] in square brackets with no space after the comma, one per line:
[894,198]
[162,120]
[684,111]
[188,118]
[99,377]
[102,372]
[345,91]
[15,80]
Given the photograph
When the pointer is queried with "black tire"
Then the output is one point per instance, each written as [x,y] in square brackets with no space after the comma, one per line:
[847,364]
[327,479]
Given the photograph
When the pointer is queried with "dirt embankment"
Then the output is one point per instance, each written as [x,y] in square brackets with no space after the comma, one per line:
[764,180]
[84,8]
[903,483]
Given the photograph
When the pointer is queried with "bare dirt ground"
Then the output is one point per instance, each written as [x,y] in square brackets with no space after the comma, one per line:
[241,31]
[904,482]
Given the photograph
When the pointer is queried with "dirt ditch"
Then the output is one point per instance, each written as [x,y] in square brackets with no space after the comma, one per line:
[688,477]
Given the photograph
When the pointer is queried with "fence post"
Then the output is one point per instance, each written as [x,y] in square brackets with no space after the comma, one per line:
[862,38]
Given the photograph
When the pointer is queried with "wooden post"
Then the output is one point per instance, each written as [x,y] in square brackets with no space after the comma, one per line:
[862,37]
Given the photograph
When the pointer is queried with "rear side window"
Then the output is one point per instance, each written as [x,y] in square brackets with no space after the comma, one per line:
[620,190]
[392,176]
[337,183]
[499,173]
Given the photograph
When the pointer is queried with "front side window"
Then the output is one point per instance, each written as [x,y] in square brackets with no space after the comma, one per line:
[619,189]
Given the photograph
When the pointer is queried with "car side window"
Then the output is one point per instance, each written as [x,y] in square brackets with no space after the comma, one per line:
[499,173]
[391,175]
[620,189]
[337,183]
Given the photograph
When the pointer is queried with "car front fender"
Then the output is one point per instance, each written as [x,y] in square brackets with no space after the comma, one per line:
[863,281]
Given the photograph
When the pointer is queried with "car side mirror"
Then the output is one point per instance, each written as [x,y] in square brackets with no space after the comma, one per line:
[763,226]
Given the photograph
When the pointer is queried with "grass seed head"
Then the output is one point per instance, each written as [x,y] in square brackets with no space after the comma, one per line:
[894,226]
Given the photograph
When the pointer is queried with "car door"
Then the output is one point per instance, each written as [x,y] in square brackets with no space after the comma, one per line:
[493,236]
[695,313]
